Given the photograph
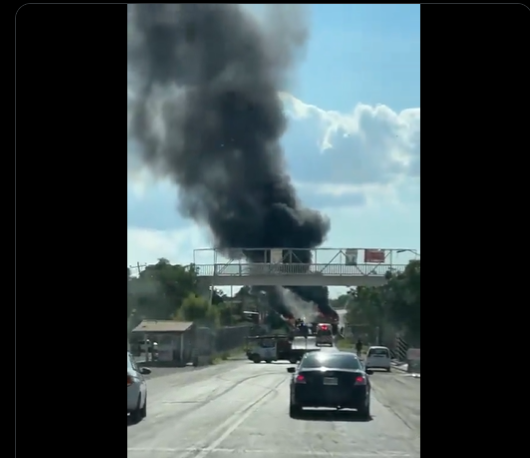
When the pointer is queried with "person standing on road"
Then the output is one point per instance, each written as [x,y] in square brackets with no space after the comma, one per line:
[359,346]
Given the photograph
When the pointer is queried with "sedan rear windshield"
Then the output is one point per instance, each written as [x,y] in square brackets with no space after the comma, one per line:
[335,361]
[378,351]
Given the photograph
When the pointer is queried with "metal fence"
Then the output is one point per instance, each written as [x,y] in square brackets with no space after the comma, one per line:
[230,337]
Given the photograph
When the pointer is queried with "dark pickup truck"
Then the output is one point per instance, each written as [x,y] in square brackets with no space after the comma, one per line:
[288,348]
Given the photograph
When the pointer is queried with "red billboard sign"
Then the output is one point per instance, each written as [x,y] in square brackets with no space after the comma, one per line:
[374,255]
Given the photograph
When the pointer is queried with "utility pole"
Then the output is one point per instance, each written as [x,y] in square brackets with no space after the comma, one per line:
[138,267]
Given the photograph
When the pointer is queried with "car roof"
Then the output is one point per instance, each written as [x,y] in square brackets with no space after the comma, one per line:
[378,346]
[324,354]
[323,358]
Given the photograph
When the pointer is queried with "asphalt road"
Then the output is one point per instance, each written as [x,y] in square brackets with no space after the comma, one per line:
[240,408]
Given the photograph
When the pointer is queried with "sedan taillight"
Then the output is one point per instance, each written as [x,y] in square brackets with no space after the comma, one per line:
[129,380]
[360,380]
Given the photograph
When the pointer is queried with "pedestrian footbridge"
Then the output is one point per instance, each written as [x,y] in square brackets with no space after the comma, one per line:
[300,267]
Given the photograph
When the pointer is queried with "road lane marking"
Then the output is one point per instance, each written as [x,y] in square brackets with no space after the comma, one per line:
[381,454]
[228,426]
[237,423]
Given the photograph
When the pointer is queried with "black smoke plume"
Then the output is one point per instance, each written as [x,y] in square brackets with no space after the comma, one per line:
[207,115]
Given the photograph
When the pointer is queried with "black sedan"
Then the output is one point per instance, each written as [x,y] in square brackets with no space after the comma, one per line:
[334,380]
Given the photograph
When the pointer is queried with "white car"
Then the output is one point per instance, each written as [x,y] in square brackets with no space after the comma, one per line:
[378,358]
[136,389]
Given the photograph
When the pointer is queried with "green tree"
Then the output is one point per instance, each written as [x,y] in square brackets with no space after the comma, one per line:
[341,302]
[397,303]
[249,299]
[365,307]
[172,291]
[159,290]
[403,291]
[230,312]
[198,309]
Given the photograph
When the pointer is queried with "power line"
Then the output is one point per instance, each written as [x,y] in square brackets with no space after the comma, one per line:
[139,267]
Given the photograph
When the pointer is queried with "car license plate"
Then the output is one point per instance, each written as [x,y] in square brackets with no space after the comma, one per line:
[330,381]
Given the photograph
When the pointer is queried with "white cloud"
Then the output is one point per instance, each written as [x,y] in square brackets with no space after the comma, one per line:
[369,145]
[371,152]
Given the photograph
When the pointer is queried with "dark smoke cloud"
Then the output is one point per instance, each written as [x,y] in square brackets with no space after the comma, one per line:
[207,115]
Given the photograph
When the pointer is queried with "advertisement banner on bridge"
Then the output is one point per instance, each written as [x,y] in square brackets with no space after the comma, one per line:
[276,256]
[350,256]
[371,255]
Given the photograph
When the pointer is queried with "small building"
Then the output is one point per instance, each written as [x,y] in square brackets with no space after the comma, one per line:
[178,342]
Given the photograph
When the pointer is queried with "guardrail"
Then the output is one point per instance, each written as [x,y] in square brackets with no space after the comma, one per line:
[242,270]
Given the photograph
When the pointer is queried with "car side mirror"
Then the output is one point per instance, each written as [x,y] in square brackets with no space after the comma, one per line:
[369,371]
[291,370]
[145,371]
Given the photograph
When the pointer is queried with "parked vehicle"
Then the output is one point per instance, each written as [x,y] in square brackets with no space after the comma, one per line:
[136,389]
[378,358]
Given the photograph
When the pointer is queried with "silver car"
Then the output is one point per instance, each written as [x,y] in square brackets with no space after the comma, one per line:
[136,389]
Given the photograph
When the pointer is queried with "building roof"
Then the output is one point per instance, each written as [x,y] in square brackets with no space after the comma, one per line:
[163,326]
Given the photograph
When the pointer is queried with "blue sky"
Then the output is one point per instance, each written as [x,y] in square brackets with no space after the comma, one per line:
[362,53]
[352,146]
